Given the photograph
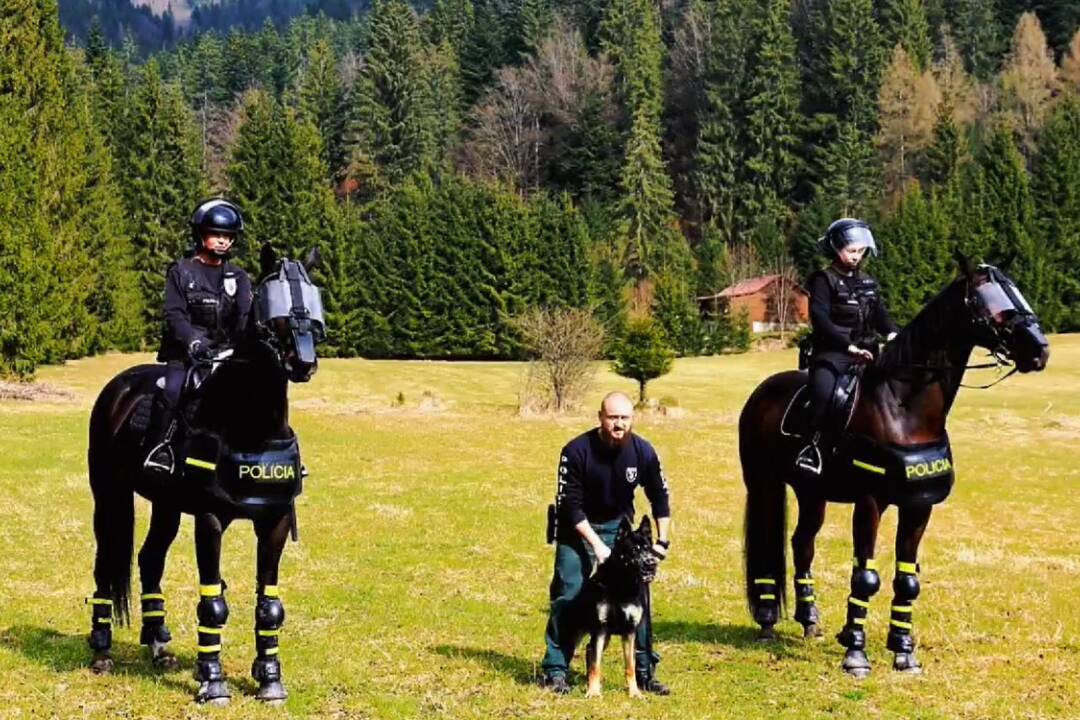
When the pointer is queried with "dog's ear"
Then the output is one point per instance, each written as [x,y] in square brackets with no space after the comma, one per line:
[646,527]
[625,528]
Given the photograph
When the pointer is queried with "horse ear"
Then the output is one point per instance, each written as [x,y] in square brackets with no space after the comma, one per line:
[313,259]
[267,259]
[1007,262]
[966,265]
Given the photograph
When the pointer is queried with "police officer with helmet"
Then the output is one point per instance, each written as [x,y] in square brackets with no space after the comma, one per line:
[847,313]
[207,303]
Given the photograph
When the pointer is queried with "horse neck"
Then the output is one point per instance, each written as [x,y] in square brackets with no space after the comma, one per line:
[924,366]
[247,401]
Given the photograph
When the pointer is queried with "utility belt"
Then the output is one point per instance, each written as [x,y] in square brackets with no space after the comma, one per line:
[271,477]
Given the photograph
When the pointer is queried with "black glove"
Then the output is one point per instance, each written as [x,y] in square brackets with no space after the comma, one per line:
[199,351]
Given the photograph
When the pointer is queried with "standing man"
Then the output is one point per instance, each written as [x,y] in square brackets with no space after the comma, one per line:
[598,473]
[207,303]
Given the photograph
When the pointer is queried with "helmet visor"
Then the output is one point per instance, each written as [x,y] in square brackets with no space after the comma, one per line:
[855,238]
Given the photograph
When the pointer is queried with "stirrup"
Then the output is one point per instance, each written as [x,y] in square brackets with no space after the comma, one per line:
[810,459]
[167,466]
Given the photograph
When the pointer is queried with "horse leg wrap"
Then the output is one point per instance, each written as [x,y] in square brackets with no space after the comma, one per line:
[213,613]
[153,619]
[266,669]
[100,639]
[766,602]
[806,612]
[864,584]
[905,590]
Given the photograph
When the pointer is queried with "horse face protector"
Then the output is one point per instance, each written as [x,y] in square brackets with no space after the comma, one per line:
[1004,322]
[289,318]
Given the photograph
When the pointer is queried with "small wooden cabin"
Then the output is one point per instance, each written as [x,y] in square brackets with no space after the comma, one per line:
[761,297]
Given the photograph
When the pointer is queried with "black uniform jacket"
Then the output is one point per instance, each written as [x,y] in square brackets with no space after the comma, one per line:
[205,303]
[597,482]
[845,310]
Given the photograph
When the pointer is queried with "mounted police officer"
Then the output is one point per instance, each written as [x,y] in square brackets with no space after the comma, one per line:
[207,303]
[598,474]
[847,313]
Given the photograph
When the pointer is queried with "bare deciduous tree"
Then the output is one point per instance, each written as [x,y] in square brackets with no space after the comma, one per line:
[504,143]
[564,343]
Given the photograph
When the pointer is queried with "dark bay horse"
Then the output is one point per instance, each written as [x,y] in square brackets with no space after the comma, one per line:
[241,461]
[902,459]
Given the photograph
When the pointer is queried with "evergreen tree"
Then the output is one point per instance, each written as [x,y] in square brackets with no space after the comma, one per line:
[643,354]
[161,181]
[979,35]
[915,261]
[904,22]
[1056,187]
[388,125]
[772,115]
[321,100]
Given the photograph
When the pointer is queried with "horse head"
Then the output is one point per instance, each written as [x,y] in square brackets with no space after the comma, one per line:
[288,312]
[1002,320]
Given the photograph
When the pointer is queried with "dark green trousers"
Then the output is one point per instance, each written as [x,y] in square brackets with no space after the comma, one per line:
[573,563]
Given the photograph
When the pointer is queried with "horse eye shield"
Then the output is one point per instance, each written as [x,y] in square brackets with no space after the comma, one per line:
[291,299]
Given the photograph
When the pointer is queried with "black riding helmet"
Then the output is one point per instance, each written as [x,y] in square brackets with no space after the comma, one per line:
[216,215]
[847,232]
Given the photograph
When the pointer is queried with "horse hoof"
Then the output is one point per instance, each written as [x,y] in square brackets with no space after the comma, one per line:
[766,634]
[856,664]
[213,692]
[102,665]
[272,693]
[907,664]
[164,660]
[813,630]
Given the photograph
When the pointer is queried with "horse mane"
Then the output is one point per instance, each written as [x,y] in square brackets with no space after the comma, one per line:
[923,341]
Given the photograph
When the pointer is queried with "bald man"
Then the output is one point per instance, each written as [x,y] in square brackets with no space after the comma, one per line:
[598,474]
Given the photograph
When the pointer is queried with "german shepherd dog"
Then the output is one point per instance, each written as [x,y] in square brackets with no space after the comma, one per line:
[613,601]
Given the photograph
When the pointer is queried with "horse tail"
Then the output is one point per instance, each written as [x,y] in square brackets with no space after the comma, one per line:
[765,514]
[114,509]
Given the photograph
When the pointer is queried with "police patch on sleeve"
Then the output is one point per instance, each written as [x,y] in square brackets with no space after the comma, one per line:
[230,285]
[631,475]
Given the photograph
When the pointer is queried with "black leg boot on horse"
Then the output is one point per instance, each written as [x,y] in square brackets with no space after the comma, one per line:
[212,611]
[269,610]
[865,583]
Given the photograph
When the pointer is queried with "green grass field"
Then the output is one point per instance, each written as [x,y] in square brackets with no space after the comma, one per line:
[419,586]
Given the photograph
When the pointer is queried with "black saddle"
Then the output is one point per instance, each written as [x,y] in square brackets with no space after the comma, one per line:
[796,420]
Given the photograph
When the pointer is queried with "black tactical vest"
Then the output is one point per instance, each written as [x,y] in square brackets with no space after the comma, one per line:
[854,300]
[212,308]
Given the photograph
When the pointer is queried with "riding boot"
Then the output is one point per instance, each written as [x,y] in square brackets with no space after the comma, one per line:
[809,458]
[161,458]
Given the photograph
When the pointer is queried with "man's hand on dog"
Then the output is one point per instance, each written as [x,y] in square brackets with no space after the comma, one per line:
[602,552]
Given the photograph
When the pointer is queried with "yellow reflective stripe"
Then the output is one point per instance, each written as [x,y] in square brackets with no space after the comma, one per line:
[868,564]
[270,590]
[906,567]
[764,581]
[268,633]
[867,466]
[901,608]
[152,596]
[857,601]
[270,651]
[808,598]
[210,630]
[210,648]
[859,621]
[196,462]
[804,581]
[153,613]
[899,624]
[210,590]
[103,621]
[767,596]
[98,601]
